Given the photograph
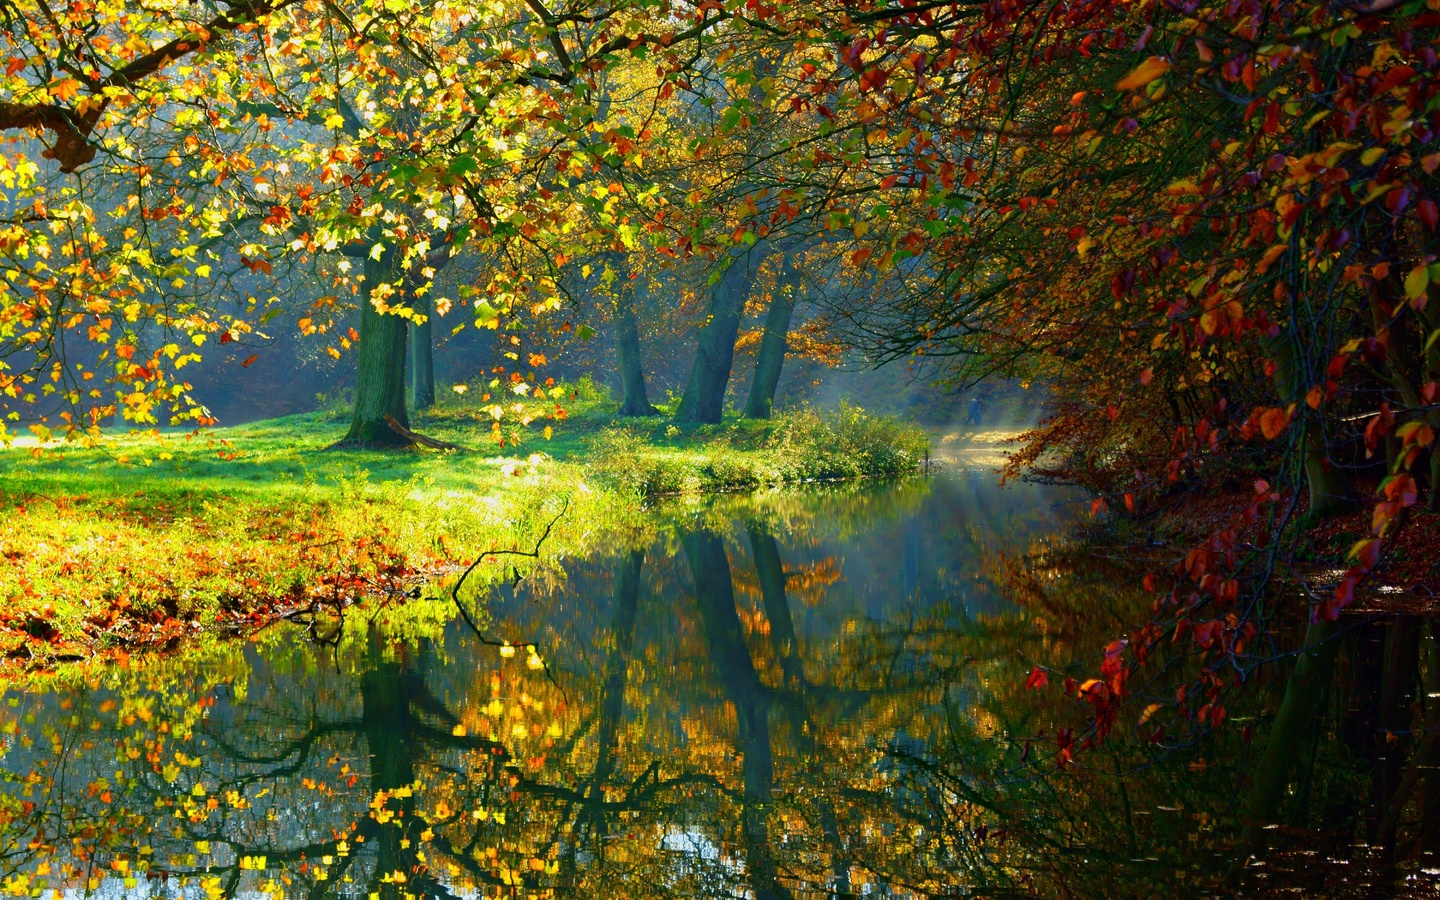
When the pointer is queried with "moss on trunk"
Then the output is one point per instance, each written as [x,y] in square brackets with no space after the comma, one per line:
[422,357]
[704,398]
[380,369]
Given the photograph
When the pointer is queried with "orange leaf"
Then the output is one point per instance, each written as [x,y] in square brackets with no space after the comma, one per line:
[1272,422]
[1143,74]
[65,89]
[249,360]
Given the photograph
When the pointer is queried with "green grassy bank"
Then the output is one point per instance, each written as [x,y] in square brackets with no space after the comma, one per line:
[146,539]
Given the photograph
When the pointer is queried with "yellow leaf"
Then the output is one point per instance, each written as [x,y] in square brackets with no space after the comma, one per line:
[1272,254]
[1143,74]
[1369,157]
[1379,190]
[1417,281]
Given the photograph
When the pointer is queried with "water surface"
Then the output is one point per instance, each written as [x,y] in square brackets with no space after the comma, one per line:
[804,694]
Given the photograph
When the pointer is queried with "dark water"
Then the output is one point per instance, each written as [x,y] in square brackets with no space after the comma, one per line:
[811,694]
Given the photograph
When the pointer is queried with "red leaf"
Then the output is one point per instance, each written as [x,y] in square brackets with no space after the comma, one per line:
[1428,213]
[1366,553]
[1206,633]
[1038,679]
[249,360]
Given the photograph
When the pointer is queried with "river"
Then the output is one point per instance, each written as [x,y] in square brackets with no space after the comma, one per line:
[815,693]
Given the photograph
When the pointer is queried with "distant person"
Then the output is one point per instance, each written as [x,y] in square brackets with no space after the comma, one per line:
[976,407]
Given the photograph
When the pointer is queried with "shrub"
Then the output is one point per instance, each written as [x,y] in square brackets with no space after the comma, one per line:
[802,445]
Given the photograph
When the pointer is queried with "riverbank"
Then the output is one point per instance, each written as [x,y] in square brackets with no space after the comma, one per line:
[147,539]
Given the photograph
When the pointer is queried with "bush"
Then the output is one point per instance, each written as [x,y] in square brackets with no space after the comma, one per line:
[802,445]
[847,442]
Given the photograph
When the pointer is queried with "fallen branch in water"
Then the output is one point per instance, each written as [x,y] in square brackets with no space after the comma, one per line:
[529,646]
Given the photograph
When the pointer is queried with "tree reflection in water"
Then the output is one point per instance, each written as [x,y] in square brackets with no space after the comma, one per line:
[778,698]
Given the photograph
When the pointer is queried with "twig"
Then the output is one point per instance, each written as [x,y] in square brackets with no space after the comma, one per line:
[529,646]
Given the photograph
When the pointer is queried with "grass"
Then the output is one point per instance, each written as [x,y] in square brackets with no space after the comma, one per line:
[148,538]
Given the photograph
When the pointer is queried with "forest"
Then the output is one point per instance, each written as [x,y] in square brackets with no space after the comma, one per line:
[719,448]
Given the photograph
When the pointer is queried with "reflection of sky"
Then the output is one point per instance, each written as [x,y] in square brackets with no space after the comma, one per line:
[929,558]
[935,554]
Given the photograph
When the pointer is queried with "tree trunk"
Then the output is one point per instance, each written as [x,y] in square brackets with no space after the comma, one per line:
[1330,490]
[422,356]
[704,398]
[1433,504]
[1304,694]
[380,369]
[632,373]
[612,704]
[725,641]
[772,353]
[771,570]
[1393,736]
[390,736]
[627,596]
